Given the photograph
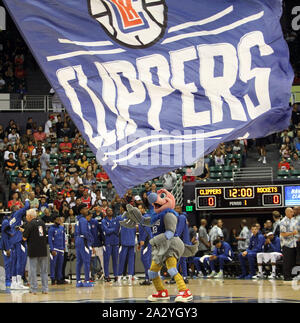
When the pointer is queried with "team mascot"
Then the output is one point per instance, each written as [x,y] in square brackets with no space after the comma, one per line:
[167,247]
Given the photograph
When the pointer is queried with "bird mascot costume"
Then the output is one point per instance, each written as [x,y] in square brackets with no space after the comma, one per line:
[167,247]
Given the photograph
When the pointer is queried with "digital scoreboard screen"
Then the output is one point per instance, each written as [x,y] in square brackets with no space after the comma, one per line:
[265,196]
[292,195]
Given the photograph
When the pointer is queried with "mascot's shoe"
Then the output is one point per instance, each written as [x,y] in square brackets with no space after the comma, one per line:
[184,296]
[159,296]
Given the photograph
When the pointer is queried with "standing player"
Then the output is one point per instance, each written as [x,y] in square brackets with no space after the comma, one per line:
[19,254]
[98,243]
[111,228]
[6,249]
[145,235]
[56,240]
[83,245]
[184,235]
[127,240]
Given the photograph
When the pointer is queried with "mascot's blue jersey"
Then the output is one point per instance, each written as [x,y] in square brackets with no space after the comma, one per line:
[158,222]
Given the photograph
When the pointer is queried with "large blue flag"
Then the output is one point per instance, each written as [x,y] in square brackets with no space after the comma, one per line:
[154,84]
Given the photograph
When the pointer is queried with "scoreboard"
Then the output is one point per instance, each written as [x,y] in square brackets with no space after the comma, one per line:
[239,197]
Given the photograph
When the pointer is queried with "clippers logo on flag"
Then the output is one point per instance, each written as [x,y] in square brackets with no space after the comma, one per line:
[132,23]
[154,85]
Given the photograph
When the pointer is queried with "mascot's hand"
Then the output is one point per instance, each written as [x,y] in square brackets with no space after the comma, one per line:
[127,223]
[134,214]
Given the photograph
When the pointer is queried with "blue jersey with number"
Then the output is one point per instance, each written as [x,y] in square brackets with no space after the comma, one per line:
[158,222]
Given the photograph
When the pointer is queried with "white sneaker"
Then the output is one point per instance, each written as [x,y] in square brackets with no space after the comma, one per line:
[219,275]
[258,276]
[21,286]
[13,285]
[260,159]
[264,160]
[272,276]
[297,277]
[212,274]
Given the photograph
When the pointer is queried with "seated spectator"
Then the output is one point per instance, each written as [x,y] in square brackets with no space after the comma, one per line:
[88,178]
[53,149]
[271,252]
[13,136]
[43,203]
[73,168]
[86,199]
[47,217]
[61,179]
[295,164]
[219,158]
[221,254]
[104,207]
[65,160]
[11,164]
[33,201]
[129,198]
[297,141]
[188,177]
[97,199]
[46,187]
[52,134]
[15,201]
[33,177]
[285,151]
[109,193]
[38,150]
[2,133]
[284,165]
[83,163]
[255,246]
[102,176]
[65,146]
[233,162]
[93,165]
[57,203]
[285,138]
[39,135]
[23,193]
[236,149]
[75,181]
[65,130]
[9,151]
[23,163]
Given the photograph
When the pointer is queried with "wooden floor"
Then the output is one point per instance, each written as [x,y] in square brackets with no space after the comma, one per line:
[204,290]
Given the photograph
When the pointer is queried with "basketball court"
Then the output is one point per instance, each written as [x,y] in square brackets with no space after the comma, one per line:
[204,291]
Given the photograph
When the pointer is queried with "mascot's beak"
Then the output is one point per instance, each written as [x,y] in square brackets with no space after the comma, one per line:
[152,198]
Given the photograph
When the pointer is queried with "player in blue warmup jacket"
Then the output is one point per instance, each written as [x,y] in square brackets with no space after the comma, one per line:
[222,253]
[83,244]
[126,249]
[6,249]
[184,235]
[98,243]
[145,235]
[19,252]
[257,241]
[56,240]
[110,228]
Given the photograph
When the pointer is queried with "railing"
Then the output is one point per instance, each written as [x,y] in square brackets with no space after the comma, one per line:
[177,191]
[253,175]
[38,103]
